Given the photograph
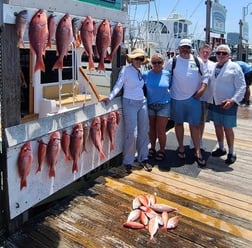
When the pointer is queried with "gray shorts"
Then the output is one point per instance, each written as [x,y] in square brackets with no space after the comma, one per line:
[158,109]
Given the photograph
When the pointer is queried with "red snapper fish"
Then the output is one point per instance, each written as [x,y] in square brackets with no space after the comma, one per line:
[52,152]
[41,154]
[24,163]
[103,126]
[38,36]
[103,40]
[87,35]
[65,144]
[116,40]
[95,133]
[21,23]
[51,20]
[111,126]
[76,145]
[64,37]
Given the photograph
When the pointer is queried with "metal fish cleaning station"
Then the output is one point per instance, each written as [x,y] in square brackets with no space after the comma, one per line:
[87,208]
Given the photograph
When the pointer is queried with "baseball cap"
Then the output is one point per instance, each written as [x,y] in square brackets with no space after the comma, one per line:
[185,42]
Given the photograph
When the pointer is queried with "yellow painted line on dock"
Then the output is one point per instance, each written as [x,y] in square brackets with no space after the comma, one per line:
[184,211]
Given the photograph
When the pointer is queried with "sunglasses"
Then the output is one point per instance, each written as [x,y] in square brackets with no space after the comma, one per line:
[222,53]
[139,59]
[157,62]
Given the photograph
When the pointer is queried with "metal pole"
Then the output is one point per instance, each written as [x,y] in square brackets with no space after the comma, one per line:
[208,20]
[239,57]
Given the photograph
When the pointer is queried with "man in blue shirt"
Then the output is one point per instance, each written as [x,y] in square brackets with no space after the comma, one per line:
[247,70]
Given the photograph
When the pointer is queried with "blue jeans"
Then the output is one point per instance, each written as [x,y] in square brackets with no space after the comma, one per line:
[136,130]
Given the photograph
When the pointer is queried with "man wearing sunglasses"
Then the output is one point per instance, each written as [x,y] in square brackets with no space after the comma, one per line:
[227,86]
[188,85]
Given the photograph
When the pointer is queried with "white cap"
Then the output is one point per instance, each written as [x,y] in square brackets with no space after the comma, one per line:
[185,42]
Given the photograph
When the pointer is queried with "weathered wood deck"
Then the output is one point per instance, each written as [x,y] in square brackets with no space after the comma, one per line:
[214,203]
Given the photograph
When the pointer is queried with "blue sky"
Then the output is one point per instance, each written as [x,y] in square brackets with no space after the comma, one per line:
[195,10]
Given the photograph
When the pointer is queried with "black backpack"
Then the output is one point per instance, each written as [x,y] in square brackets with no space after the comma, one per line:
[174,60]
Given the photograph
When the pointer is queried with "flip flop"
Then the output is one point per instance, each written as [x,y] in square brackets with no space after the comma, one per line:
[160,156]
[152,153]
[180,154]
[200,161]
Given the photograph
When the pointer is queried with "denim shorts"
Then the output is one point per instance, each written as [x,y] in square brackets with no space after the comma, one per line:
[159,109]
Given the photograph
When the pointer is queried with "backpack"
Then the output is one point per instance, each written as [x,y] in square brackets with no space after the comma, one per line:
[174,60]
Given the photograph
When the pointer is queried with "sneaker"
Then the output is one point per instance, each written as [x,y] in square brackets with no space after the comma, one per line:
[128,168]
[231,158]
[146,165]
[218,152]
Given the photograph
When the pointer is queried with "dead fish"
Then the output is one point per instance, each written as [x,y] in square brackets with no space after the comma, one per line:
[64,37]
[38,36]
[86,129]
[41,154]
[52,152]
[87,33]
[95,133]
[152,199]
[136,203]
[165,217]
[103,40]
[133,225]
[76,28]
[52,25]
[76,145]
[65,144]
[103,126]
[116,40]
[143,199]
[21,23]
[148,211]
[134,215]
[112,129]
[24,164]
[173,222]
[118,117]
[153,228]
[158,207]
[143,218]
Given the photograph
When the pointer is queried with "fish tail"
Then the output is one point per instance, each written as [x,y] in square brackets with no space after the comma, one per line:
[20,44]
[91,66]
[38,169]
[58,64]
[52,172]
[68,158]
[23,183]
[112,146]
[110,57]
[40,65]
[101,66]
[49,44]
[102,155]
[75,167]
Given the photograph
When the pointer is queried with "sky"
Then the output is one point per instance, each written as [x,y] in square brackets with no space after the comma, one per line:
[195,10]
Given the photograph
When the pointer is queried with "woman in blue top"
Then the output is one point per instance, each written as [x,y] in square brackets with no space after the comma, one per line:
[157,82]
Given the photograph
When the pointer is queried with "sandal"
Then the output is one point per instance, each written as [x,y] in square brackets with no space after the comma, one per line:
[180,154]
[200,161]
[152,153]
[160,156]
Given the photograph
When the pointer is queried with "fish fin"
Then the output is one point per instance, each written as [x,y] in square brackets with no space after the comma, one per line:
[75,167]
[102,155]
[101,67]
[58,64]
[23,183]
[40,65]
[52,172]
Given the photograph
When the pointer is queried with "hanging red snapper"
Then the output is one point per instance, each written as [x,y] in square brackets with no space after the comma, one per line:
[65,144]
[103,40]
[38,36]
[52,152]
[95,132]
[51,20]
[64,37]
[21,23]
[41,154]
[116,40]
[76,145]
[111,126]
[24,163]
[87,35]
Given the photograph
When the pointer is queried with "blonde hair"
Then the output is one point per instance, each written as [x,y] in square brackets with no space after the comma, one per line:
[157,56]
